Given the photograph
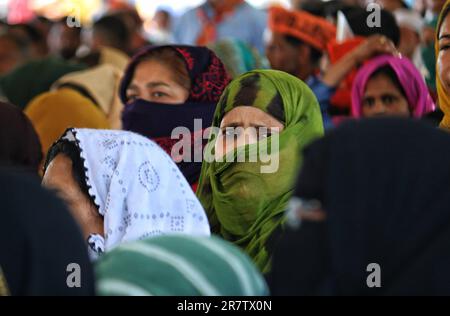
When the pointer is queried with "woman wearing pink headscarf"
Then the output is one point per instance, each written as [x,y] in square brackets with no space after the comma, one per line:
[390,86]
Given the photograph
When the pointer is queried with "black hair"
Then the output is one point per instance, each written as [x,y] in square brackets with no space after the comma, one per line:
[389,72]
[314,7]
[31,32]
[332,8]
[43,19]
[357,18]
[315,53]
[130,18]
[115,31]
[71,150]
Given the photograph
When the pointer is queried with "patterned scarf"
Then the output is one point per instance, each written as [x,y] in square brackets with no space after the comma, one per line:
[208,80]
[136,187]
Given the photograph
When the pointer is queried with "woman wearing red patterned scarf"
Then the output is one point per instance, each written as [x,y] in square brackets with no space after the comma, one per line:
[166,91]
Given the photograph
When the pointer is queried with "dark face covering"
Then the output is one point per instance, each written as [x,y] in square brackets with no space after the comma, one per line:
[19,143]
[385,201]
[157,121]
[39,241]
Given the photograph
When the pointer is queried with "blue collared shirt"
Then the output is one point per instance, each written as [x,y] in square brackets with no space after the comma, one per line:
[246,24]
[323,94]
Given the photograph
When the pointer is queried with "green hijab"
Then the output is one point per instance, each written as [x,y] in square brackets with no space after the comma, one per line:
[178,265]
[244,205]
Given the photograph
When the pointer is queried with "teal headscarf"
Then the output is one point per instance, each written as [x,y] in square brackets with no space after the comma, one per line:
[179,265]
[429,58]
[238,57]
[244,205]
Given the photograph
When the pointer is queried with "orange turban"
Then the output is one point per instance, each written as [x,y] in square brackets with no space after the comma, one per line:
[309,28]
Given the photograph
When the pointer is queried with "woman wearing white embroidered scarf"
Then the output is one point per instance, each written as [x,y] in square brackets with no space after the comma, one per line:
[121,187]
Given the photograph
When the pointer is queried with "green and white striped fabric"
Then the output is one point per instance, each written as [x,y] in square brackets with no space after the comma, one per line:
[179,265]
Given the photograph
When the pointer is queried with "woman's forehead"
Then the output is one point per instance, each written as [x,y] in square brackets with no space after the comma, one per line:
[380,84]
[249,115]
[152,69]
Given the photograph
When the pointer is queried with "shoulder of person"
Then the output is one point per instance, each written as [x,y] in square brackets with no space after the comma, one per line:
[187,18]
[254,14]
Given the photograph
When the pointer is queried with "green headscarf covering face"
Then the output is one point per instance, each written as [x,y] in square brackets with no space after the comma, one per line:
[245,205]
[179,265]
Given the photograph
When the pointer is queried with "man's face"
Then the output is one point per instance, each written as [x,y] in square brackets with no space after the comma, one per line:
[409,41]
[64,40]
[282,55]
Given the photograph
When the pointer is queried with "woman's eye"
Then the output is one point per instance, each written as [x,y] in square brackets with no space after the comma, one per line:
[230,132]
[369,102]
[159,94]
[388,99]
[444,47]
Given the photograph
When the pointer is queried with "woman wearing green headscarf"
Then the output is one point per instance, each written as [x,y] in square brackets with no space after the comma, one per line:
[262,111]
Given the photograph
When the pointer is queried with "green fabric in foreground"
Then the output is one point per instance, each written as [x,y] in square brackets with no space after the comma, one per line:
[179,265]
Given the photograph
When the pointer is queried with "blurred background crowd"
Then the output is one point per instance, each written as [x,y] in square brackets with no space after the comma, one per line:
[357,93]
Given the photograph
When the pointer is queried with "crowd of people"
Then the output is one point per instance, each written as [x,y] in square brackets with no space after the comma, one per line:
[124,152]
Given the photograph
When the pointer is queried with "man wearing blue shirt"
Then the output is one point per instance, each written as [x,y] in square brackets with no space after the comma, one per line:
[218,19]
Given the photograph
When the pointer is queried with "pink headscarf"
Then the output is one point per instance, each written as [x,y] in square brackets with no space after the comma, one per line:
[410,79]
